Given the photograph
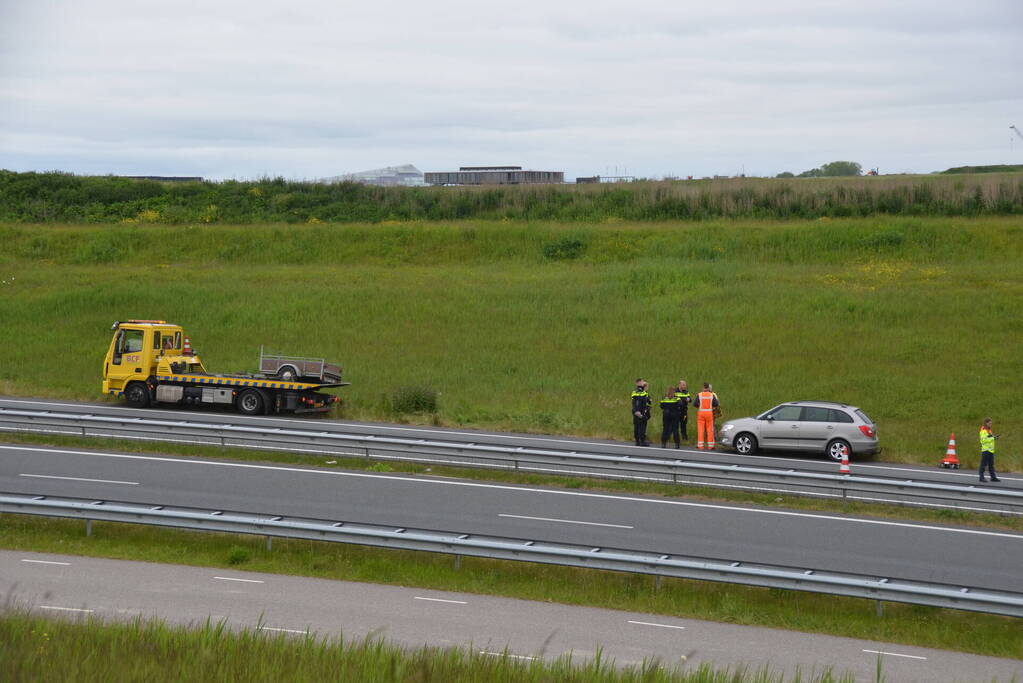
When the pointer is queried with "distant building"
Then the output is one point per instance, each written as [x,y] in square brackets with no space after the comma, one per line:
[606,179]
[407,175]
[493,175]
[165,178]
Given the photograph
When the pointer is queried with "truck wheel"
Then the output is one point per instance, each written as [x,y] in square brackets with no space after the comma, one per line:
[250,402]
[137,395]
[288,373]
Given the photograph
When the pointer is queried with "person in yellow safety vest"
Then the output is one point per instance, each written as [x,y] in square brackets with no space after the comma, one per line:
[684,397]
[987,450]
[640,412]
[705,403]
[671,409]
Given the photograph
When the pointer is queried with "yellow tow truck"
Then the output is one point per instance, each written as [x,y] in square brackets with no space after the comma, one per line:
[151,361]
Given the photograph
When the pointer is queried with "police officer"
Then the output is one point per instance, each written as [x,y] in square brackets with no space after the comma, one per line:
[987,450]
[640,412]
[685,398]
[671,406]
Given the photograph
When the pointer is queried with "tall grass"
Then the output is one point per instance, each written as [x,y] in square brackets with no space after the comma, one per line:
[47,197]
[915,320]
[37,649]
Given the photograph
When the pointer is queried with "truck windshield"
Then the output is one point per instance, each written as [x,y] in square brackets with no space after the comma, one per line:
[132,341]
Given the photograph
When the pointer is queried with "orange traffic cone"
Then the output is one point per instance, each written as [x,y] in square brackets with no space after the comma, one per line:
[951,462]
[187,350]
[844,467]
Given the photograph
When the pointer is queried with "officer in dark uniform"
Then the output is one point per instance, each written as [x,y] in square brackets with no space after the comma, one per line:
[640,412]
[685,398]
[671,406]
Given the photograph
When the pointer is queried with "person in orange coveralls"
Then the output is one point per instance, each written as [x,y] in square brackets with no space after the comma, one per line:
[706,402]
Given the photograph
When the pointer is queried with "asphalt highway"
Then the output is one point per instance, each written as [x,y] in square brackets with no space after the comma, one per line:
[73,587]
[962,556]
[803,462]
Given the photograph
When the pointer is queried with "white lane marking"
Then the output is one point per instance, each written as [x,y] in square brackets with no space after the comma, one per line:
[506,654]
[282,630]
[456,602]
[647,623]
[893,654]
[97,481]
[64,564]
[551,492]
[66,609]
[228,578]
[566,521]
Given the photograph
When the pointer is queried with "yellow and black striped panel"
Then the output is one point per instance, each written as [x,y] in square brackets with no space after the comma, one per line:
[235,382]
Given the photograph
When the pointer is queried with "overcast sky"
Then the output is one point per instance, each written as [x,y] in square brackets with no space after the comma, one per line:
[242,89]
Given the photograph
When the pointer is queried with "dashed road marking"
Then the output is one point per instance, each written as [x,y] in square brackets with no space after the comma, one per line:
[95,481]
[63,564]
[67,609]
[893,654]
[455,602]
[506,654]
[282,630]
[229,578]
[567,521]
[648,623]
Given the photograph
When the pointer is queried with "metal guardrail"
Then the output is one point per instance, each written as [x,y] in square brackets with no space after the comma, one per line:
[547,461]
[524,550]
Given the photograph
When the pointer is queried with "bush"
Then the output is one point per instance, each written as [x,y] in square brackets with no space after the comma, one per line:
[413,400]
[237,555]
[563,250]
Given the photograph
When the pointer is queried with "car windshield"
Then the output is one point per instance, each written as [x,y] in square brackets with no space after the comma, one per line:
[863,416]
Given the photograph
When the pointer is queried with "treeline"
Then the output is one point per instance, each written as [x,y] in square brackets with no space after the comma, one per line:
[65,198]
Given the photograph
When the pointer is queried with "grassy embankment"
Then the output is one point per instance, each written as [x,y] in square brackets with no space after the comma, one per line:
[542,327]
[35,649]
[805,612]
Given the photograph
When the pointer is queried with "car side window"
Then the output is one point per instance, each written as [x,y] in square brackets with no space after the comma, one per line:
[816,414]
[840,416]
[788,413]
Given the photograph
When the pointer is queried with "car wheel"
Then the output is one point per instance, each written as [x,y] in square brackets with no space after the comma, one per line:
[137,395]
[745,444]
[250,403]
[836,448]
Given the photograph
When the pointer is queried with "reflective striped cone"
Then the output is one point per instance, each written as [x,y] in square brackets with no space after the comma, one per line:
[844,467]
[187,350]
[951,462]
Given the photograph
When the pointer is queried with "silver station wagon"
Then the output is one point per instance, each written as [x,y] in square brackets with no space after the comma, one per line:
[815,426]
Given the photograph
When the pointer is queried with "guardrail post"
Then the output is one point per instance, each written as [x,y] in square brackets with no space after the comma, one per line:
[458,562]
[88,527]
[657,583]
[879,608]
[269,543]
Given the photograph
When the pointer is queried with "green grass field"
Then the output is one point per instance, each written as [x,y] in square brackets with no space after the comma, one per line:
[542,327]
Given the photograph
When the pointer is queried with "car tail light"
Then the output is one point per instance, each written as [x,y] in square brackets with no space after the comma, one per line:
[868,431]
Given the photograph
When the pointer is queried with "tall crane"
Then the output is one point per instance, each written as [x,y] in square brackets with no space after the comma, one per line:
[1017,132]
